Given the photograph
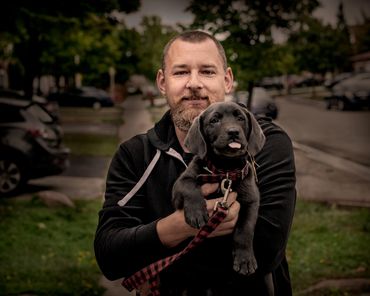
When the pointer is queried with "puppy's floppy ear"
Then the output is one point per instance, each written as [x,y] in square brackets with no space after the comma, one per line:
[194,140]
[256,138]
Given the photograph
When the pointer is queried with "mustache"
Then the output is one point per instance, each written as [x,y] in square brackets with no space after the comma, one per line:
[194,95]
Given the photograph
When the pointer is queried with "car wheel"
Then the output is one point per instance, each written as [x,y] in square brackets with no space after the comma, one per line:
[96,105]
[12,177]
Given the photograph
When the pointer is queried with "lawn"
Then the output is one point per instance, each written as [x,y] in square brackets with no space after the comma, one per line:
[47,251]
[328,242]
[91,144]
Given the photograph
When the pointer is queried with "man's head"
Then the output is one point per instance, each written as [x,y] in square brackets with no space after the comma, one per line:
[194,75]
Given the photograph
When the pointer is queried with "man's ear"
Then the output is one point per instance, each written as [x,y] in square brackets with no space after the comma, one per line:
[161,83]
[256,138]
[229,80]
[194,140]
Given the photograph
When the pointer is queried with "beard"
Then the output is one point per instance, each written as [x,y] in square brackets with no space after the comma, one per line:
[184,115]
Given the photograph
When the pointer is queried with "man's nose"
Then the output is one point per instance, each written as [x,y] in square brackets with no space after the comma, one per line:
[194,81]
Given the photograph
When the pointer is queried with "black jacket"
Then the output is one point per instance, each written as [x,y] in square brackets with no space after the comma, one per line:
[126,238]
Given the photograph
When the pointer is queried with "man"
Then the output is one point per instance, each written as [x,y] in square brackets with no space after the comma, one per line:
[145,227]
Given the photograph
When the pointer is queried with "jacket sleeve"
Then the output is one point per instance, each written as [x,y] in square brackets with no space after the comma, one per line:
[276,174]
[125,241]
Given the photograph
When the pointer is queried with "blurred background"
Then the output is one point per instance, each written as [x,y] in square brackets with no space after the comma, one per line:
[78,77]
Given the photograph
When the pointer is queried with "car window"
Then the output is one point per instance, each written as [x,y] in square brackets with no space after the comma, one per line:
[40,113]
[10,114]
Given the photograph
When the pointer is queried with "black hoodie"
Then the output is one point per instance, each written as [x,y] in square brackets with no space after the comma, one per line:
[126,239]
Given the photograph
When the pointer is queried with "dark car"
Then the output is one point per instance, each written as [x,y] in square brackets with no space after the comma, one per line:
[271,83]
[86,96]
[262,102]
[30,145]
[350,93]
[309,81]
[329,83]
[51,107]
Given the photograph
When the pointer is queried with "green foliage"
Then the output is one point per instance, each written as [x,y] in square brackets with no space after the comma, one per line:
[319,48]
[39,26]
[48,251]
[153,39]
[246,29]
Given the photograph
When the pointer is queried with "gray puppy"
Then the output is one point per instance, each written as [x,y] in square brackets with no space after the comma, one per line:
[224,139]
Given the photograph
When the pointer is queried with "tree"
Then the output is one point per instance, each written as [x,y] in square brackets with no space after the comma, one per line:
[320,48]
[31,25]
[246,28]
[154,37]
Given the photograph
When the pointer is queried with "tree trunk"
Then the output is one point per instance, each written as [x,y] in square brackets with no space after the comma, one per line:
[250,94]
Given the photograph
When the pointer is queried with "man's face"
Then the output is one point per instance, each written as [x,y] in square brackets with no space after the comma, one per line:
[193,79]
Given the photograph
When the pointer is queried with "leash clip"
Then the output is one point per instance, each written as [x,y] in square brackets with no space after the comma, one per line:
[226,189]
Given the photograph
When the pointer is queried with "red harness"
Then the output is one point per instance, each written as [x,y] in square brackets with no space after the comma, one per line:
[216,175]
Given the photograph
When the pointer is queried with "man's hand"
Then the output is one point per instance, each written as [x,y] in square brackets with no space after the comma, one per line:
[173,229]
[228,224]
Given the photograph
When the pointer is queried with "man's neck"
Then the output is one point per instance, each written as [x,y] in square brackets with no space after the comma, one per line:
[181,137]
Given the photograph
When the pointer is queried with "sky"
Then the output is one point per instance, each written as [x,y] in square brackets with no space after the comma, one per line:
[172,12]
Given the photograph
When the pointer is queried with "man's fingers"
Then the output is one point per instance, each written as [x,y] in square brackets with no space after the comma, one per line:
[230,200]
[208,188]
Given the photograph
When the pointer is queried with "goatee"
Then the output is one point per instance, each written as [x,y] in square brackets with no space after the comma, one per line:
[183,115]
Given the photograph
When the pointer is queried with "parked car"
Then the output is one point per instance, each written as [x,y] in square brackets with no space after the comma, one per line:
[329,83]
[86,96]
[350,93]
[51,107]
[262,102]
[309,81]
[30,145]
[271,83]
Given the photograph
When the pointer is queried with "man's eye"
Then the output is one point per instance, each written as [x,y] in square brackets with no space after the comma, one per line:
[208,72]
[180,73]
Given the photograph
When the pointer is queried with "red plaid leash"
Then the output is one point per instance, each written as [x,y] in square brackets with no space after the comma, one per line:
[151,272]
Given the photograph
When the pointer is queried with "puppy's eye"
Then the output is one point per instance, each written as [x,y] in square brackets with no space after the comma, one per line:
[240,118]
[214,120]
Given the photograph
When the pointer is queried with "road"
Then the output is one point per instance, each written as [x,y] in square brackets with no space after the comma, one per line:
[343,134]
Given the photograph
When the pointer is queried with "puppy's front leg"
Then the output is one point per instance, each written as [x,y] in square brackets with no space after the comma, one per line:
[187,195]
[244,260]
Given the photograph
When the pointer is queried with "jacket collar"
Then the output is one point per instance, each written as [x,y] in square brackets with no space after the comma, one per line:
[163,136]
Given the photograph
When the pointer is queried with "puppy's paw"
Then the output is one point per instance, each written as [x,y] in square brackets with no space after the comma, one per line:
[196,215]
[244,262]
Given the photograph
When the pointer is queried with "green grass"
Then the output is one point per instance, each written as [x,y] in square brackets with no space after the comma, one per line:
[328,242]
[49,251]
[111,115]
[46,251]
[91,144]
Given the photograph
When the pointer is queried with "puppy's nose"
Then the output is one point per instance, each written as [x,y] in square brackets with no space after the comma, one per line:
[233,132]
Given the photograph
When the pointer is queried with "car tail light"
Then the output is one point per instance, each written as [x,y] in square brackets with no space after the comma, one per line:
[46,134]
[36,133]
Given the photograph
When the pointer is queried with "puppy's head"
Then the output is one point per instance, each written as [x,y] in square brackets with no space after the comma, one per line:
[225,130]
